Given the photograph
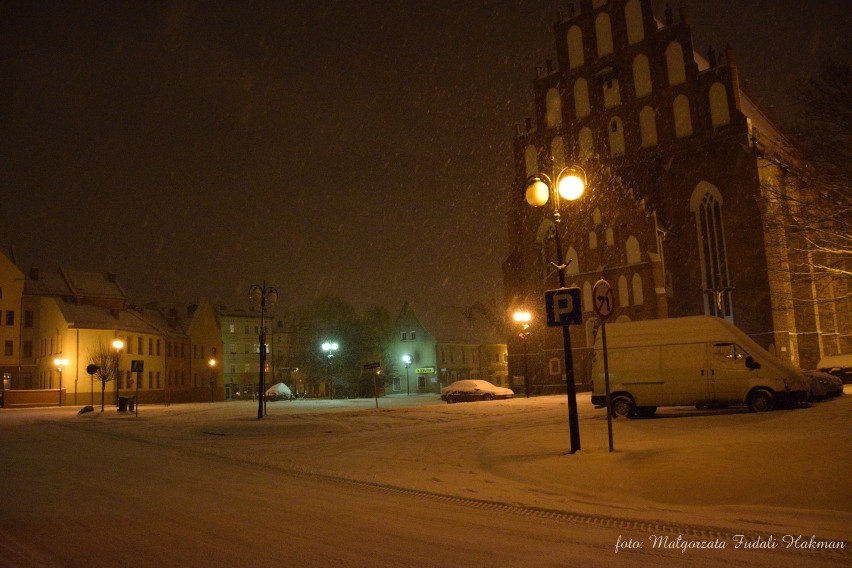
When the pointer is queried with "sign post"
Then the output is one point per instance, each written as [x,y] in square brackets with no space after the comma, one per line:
[377,368]
[136,366]
[563,308]
[603,299]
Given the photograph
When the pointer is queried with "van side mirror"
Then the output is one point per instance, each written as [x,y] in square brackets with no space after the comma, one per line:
[751,363]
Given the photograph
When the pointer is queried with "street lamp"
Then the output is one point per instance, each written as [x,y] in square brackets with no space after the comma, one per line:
[212,363]
[406,359]
[118,345]
[539,188]
[329,347]
[523,317]
[60,363]
[262,295]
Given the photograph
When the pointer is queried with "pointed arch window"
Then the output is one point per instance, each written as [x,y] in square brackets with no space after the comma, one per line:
[642,75]
[631,246]
[553,105]
[582,108]
[674,64]
[720,115]
[603,33]
[633,18]
[706,204]
[648,127]
[616,137]
[575,47]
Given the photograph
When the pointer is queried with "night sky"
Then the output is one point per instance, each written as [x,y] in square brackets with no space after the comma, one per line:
[361,149]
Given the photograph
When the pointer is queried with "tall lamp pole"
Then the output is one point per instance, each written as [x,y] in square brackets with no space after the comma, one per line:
[60,363]
[262,295]
[406,359]
[523,317]
[118,345]
[212,363]
[329,347]
[539,188]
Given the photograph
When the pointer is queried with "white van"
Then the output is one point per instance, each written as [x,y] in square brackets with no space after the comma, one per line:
[700,361]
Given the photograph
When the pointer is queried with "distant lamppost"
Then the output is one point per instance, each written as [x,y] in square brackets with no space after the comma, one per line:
[60,363]
[329,347]
[538,189]
[118,345]
[406,359]
[523,317]
[262,295]
[212,363]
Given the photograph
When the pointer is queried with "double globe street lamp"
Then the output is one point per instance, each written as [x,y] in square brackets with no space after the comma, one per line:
[262,296]
[523,317]
[539,188]
[329,348]
[61,363]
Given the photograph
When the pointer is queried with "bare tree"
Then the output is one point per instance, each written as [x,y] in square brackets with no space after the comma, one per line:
[108,361]
[808,190]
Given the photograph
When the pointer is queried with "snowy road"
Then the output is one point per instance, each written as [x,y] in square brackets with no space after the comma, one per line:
[343,484]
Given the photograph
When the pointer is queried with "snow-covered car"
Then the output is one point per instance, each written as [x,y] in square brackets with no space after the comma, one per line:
[461,391]
[824,385]
[838,365]
[279,391]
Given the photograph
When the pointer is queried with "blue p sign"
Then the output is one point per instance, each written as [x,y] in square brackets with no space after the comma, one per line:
[563,307]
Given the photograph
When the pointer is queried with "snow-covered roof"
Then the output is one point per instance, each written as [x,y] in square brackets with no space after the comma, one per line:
[456,324]
[71,282]
[85,316]
[842,361]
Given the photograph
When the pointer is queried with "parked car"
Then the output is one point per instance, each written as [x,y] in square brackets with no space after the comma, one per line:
[279,391]
[838,365]
[824,385]
[461,391]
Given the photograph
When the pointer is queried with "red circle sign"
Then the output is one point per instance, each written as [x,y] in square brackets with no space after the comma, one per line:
[603,299]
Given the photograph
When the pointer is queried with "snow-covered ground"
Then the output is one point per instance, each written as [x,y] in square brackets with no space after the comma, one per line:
[780,473]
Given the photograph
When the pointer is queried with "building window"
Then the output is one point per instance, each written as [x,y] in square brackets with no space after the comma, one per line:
[10,317]
[404,336]
[596,217]
[633,19]
[129,345]
[139,345]
[28,318]
[232,328]
[719,113]
[553,108]
[634,256]
[641,76]
[412,335]
[603,33]
[648,127]
[682,117]
[674,64]
[616,137]
[158,348]
[593,240]
[706,205]
[623,297]
[554,366]
[638,291]
[575,47]
[582,107]
[8,348]
[611,92]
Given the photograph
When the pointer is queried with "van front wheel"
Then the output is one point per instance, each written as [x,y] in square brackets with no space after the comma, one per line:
[623,407]
[760,401]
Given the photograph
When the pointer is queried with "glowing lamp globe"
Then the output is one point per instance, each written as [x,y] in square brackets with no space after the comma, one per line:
[571,187]
[537,193]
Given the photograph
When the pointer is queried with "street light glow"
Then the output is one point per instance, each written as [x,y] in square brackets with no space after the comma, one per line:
[330,346]
[60,362]
[406,359]
[537,193]
[571,186]
[522,316]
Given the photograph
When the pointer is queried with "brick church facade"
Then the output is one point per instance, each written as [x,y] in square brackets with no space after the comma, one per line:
[674,216]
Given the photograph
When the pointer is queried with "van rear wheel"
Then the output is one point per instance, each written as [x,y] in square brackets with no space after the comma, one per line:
[623,407]
[761,401]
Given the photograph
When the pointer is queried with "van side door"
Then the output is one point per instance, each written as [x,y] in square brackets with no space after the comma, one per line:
[729,376]
[684,370]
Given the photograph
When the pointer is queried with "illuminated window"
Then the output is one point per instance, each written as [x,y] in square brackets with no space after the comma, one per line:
[581,98]
[603,33]
[575,47]
[641,75]
[674,64]
[682,117]
[611,92]
[633,18]
[719,113]
[554,365]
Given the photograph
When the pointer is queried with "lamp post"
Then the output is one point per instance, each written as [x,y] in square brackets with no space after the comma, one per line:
[329,347]
[60,363]
[539,188]
[118,345]
[262,295]
[406,359]
[212,363]
[523,317]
